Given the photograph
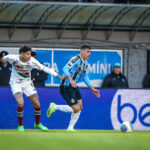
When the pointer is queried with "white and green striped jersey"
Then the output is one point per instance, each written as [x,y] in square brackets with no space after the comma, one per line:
[22,70]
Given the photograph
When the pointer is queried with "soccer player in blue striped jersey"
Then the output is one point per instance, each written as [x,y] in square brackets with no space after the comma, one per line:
[74,70]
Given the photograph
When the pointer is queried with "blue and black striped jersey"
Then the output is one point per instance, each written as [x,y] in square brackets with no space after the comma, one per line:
[77,69]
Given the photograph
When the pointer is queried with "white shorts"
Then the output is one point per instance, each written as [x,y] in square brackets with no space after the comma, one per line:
[25,87]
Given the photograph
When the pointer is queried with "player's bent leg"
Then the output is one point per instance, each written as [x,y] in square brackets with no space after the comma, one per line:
[76,108]
[74,117]
[20,102]
[19,99]
[53,107]
[37,112]
[80,103]
[35,100]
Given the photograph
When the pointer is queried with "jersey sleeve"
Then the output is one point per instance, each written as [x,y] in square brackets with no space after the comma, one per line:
[39,66]
[72,62]
[50,71]
[86,79]
[36,64]
[10,58]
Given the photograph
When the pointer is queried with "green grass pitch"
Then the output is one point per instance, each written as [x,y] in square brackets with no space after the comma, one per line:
[81,139]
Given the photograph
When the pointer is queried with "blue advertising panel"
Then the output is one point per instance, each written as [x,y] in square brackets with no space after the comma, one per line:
[100,63]
[61,57]
[107,112]
[45,57]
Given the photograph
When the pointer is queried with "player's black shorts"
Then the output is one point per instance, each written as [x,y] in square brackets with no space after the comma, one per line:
[70,94]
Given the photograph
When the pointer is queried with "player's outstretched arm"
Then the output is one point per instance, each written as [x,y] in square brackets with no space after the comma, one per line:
[60,77]
[52,72]
[88,83]
[9,58]
[95,92]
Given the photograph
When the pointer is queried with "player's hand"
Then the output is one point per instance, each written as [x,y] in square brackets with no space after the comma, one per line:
[73,83]
[64,77]
[97,93]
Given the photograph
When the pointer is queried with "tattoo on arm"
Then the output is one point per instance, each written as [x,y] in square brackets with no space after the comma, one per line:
[18,95]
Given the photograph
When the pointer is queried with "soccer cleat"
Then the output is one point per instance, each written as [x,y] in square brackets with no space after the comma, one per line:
[20,128]
[50,109]
[40,126]
[71,130]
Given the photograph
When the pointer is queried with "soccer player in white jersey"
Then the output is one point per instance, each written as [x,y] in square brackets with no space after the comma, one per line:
[20,82]
[74,70]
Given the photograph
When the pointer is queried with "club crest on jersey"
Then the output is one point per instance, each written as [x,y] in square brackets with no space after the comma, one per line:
[72,100]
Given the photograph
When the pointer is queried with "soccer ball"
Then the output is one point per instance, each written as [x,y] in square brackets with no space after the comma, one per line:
[126,127]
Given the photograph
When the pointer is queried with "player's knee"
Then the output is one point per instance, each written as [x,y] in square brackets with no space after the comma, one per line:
[76,109]
[37,105]
[20,104]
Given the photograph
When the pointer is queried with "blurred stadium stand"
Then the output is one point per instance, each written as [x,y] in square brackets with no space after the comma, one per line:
[68,25]
[94,1]
[68,16]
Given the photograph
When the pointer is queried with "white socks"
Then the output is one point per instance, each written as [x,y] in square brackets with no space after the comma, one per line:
[64,108]
[74,119]
[74,116]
